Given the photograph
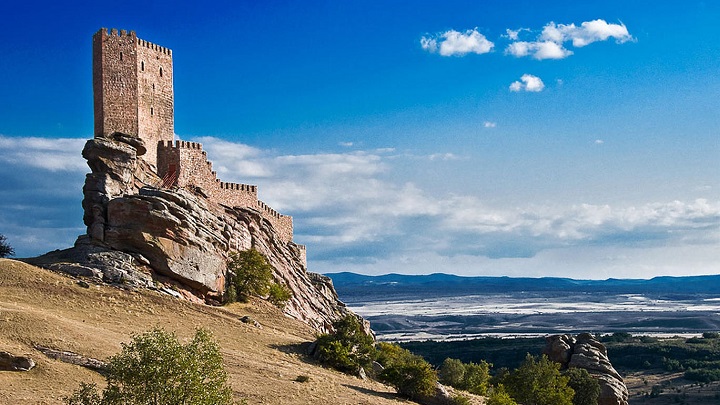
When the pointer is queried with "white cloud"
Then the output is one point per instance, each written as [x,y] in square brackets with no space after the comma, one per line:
[550,43]
[489,124]
[443,156]
[61,154]
[514,35]
[455,43]
[587,33]
[346,144]
[538,50]
[599,142]
[528,83]
[354,216]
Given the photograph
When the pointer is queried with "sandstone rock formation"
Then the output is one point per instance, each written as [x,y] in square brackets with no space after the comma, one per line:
[139,233]
[9,362]
[584,351]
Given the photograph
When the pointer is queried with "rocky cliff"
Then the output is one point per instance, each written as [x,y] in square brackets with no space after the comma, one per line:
[140,234]
[584,351]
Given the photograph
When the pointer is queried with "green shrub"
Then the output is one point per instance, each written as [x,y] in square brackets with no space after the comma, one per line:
[412,377]
[157,369]
[5,249]
[279,294]
[302,378]
[452,372]
[253,273]
[348,348]
[711,335]
[538,381]
[586,387]
[471,377]
[477,378]
[498,396]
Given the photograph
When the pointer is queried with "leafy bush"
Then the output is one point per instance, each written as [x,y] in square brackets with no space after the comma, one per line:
[471,377]
[452,372]
[703,375]
[279,294]
[587,388]
[711,335]
[498,396]
[412,376]
[5,249]
[157,369]
[347,349]
[538,381]
[477,378]
[253,274]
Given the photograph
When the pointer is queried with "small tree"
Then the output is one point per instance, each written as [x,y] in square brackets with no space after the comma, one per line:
[476,378]
[157,369]
[587,388]
[348,348]
[539,382]
[410,374]
[452,372]
[253,273]
[5,249]
[279,295]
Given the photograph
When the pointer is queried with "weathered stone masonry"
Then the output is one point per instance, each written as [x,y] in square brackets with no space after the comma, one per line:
[133,95]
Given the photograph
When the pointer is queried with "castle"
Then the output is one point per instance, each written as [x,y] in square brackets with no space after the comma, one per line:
[133,95]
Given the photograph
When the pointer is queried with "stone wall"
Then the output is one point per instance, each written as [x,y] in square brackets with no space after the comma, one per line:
[115,82]
[133,88]
[185,165]
[155,96]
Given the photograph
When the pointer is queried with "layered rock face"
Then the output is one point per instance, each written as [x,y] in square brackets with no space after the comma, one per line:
[138,232]
[584,351]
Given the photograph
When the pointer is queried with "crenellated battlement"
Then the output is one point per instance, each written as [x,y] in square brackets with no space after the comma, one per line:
[185,164]
[154,47]
[133,89]
[114,32]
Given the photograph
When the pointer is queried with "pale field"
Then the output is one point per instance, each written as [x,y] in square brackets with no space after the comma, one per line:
[41,307]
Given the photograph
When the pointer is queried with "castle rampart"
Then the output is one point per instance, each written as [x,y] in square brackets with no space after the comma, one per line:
[185,164]
[133,94]
[133,88]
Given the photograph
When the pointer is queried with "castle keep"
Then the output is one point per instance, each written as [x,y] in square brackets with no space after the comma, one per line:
[133,95]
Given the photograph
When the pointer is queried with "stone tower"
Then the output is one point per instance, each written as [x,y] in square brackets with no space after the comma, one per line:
[132,88]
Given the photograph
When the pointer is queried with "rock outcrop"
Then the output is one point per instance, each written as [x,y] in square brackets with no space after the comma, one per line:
[139,233]
[584,351]
[9,362]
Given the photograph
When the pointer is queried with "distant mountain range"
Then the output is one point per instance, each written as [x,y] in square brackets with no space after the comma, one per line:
[357,287]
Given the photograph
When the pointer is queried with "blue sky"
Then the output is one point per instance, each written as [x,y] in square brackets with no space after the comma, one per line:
[574,139]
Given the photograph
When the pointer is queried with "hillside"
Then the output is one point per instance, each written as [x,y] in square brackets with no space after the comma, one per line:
[41,307]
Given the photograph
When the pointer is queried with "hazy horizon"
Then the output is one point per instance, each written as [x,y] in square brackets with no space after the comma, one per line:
[498,138]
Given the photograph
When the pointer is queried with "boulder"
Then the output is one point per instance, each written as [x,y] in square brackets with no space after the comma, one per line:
[584,351]
[9,362]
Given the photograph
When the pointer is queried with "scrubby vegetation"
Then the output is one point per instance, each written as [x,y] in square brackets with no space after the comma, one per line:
[471,377]
[349,348]
[155,368]
[5,249]
[410,374]
[250,274]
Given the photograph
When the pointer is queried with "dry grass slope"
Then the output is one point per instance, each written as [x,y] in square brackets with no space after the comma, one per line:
[41,307]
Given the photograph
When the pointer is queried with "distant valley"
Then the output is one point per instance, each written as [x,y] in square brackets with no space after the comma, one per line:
[442,306]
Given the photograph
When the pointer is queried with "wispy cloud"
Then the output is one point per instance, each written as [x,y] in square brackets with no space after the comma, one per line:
[61,154]
[549,44]
[348,209]
[351,211]
[528,83]
[455,43]
[489,124]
